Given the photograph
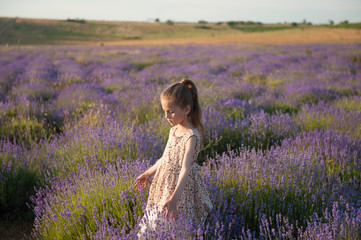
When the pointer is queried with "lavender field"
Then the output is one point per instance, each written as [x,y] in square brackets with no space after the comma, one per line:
[281,156]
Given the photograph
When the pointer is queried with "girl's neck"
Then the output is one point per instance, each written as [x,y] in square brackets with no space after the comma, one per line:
[184,126]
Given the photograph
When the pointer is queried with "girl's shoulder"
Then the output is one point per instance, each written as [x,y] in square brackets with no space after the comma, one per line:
[192,132]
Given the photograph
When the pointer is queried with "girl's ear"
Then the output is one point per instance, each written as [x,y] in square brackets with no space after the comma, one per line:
[188,109]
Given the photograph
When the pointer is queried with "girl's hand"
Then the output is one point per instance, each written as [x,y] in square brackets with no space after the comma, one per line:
[142,181]
[170,208]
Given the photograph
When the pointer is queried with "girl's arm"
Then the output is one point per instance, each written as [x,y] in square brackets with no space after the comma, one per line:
[171,204]
[143,179]
[153,168]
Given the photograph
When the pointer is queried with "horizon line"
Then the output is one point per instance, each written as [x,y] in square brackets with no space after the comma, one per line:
[152,20]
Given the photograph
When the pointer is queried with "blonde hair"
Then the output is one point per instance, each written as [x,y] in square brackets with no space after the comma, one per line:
[185,93]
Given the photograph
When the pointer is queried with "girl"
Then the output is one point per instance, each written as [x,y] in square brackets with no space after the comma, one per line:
[177,187]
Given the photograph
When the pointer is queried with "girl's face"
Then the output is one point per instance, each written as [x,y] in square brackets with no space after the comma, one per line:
[173,113]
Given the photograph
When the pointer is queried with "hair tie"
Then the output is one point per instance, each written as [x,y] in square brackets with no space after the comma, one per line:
[187,84]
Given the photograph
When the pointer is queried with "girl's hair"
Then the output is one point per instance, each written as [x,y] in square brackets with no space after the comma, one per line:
[185,93]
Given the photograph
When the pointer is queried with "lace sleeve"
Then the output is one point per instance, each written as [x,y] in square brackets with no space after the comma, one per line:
[196,134]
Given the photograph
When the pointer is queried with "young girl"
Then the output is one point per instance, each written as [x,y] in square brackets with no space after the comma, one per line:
[177,187]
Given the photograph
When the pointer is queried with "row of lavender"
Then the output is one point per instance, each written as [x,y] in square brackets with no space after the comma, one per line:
[286,121]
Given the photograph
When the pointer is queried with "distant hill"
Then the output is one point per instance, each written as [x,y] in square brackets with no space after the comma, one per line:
[23,31]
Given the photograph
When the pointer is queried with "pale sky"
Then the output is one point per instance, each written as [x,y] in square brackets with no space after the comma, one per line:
[266,11]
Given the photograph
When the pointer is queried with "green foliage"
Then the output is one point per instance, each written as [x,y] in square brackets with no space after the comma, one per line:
[15,191]
[203,27]
[73,150]
[349,103]
[76,20]
[283,107]
[255,78]
[132,37]
[314,120]
[270,192]
[94,196]
[356,59]
[254,134]
[346,24]
[146,112]
[170,22]
[251,23]
[25,131]
[17,181]
[230,139]
[331,117]
[250,26]
[141,65]
[110,89]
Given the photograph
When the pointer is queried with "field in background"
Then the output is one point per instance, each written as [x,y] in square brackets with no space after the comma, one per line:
[22,31]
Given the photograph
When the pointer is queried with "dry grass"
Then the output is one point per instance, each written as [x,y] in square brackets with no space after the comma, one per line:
[61,32]
[40,31]
[294,36]
[311,35]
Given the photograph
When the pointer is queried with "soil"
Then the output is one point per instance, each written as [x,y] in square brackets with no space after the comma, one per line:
[15,229]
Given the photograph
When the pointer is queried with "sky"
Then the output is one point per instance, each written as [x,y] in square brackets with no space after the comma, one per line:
[265,11]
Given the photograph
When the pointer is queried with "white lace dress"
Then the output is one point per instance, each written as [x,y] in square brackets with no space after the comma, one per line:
[194,202]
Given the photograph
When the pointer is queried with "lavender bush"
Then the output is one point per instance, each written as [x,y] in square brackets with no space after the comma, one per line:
[18,176]
[325,116]
[280,156]
[102,196]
